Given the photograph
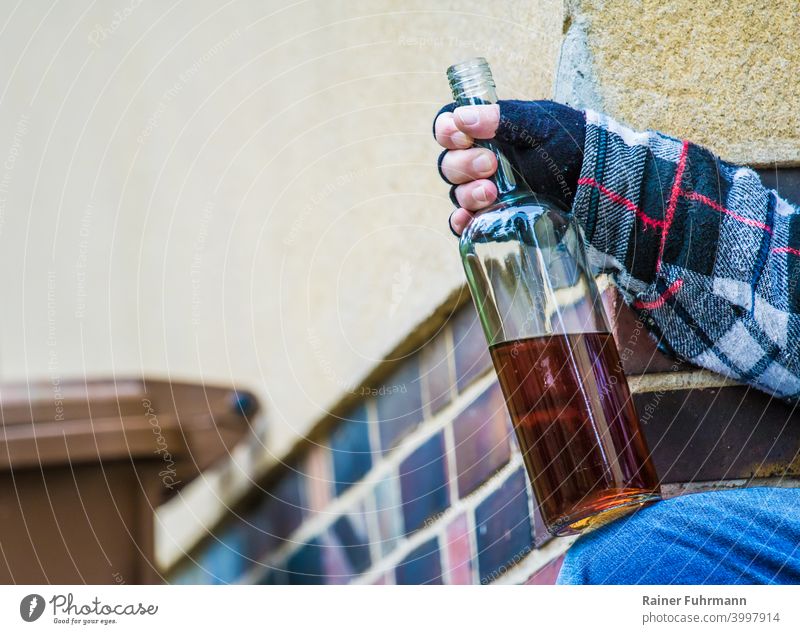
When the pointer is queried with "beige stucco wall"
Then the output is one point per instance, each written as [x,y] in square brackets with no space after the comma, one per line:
[239,192]
[723,74]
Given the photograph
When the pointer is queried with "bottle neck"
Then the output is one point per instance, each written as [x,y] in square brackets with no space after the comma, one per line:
[473,85]
[504,178]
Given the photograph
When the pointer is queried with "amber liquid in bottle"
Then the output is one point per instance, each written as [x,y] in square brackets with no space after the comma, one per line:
[577,428]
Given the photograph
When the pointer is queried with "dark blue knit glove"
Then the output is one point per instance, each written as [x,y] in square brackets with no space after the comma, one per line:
[544,141]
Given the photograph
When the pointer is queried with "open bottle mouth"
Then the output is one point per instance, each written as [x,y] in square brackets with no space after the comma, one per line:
[472,79]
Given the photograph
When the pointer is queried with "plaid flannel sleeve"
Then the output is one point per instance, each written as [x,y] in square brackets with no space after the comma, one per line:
[708,256]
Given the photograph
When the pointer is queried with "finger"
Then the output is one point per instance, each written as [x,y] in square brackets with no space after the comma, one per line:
[459,220]
[476,195]
[448,135]
[462,166]
[478,122]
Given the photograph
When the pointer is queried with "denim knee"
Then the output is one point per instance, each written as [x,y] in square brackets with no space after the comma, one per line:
[722,537]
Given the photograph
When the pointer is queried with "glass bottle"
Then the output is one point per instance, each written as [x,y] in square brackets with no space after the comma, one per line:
[549,339]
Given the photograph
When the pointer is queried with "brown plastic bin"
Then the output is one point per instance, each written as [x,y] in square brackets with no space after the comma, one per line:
[83,465]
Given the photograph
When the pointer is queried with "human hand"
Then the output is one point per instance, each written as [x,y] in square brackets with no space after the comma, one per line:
[543,140]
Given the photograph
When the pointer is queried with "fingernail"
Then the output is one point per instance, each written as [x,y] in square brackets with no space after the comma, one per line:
[455,230]
[480,195]
[468,116]
[460,139]
[483,163]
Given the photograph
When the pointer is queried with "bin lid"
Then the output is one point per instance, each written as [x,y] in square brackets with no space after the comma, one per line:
[49,423]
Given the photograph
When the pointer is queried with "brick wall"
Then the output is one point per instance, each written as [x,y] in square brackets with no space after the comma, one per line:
[421,480]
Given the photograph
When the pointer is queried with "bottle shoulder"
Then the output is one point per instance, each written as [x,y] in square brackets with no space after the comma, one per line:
[514,218]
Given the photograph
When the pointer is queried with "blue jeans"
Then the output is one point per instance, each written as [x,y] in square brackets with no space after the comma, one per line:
[719,537]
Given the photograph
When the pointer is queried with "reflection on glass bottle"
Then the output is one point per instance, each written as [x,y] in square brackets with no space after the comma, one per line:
[557,363]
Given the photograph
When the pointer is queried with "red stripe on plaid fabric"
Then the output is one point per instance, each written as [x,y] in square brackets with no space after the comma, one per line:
[786,250]
[621,200]
[669,214]
[659,301]
[715,205]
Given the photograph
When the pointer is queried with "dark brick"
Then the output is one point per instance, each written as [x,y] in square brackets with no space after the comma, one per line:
[287,498]
[349,534]
[712,434]
[435,372]
[252,540]
[222,558]
[503,528]
[305,566]
[786,181]
[278,514]
[423,483]
[638,351]
[399,402]
[469,346]
[422,566]
[350,449]
[260,533]
[481,434]
[540,533]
